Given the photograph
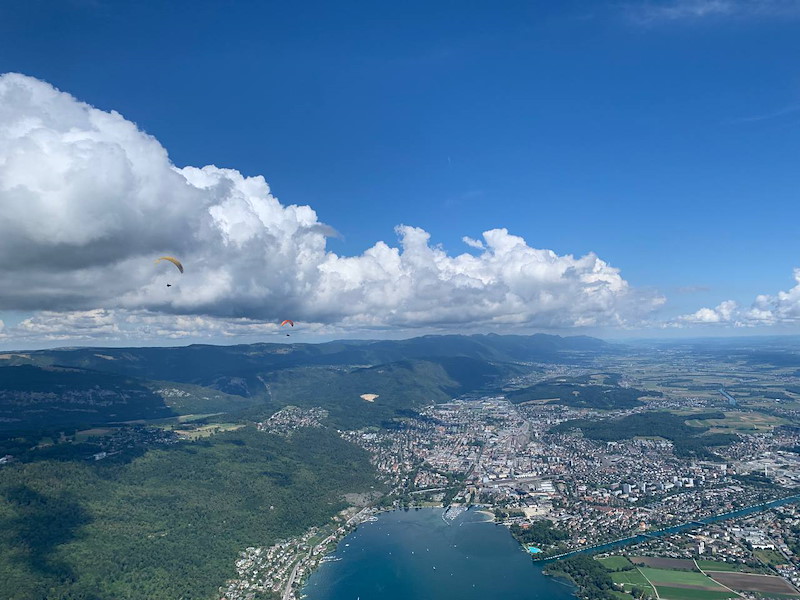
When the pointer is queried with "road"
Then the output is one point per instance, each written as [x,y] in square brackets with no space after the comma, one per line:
[287,593]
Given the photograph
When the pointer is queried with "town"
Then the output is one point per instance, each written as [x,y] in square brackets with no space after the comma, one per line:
[514,461]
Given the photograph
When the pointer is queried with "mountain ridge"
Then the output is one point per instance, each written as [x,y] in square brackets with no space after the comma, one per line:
[406,374]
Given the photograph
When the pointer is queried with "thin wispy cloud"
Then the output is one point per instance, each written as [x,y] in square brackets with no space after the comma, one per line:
[673,11]
[692,289]
[787,111]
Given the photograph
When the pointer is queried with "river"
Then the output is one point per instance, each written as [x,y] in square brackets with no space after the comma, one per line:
[637,539]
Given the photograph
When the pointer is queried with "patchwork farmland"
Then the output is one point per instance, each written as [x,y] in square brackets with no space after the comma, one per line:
[685,585]
[685,579]
[751,582]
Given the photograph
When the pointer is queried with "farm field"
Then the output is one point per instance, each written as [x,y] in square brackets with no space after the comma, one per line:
[669,582]
[615,563]
[739,421]
[673,593]
[679,578]
[196,417]
[664,563]
[749,582]
[715,565]
[630,579]
[207,430]
[685,585]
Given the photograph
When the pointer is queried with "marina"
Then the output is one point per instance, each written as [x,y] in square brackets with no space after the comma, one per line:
[451,513]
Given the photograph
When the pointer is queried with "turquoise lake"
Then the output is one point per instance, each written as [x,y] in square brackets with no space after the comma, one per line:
[417,555]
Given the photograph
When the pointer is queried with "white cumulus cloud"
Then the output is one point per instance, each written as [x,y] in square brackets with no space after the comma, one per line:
[724,313]
[89,201]
[781,309]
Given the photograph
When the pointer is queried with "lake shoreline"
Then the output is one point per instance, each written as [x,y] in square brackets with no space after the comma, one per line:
[405,553]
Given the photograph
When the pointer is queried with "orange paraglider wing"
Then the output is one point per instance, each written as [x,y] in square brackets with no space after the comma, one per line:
[173,260]
[287,322]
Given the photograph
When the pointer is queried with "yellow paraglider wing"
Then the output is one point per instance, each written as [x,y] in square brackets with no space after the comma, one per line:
[173,260]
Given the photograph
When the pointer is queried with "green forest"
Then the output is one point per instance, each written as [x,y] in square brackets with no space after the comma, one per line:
[169,523]
[400,386]
[589,575]
[688,441]
[33,397]
[541,533]
[571,393]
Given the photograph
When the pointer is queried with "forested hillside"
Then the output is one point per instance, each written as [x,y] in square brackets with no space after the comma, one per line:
[688,441]
[169,523]
[400,386]
[138,473]
[54,396]
[582,393]
[234,368]
[91,386]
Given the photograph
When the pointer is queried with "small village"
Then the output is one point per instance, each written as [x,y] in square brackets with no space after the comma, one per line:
[280,570]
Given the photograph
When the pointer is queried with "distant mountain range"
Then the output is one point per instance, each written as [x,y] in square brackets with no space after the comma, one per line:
[91,386]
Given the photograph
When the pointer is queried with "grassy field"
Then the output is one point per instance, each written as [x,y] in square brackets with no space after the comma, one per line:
[631,579]
[671,593]
[713,565]
[82,436]
[207,430]
[665,577]
[657,562]
[196,417]
[616,563]
[739,421]
[769,557]
[673,584]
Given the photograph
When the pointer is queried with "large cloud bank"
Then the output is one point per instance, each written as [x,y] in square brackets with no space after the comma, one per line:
[782,308]
[88,201]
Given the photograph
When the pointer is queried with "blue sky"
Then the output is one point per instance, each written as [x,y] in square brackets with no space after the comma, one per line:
[662,136]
